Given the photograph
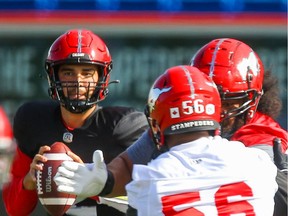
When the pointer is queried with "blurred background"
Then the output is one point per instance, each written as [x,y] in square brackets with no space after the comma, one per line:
[144,37]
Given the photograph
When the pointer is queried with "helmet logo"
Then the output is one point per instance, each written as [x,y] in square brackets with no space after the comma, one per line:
[154,95]
[191,107]
[248,64]
[174,112]
[192,124]
[78,54]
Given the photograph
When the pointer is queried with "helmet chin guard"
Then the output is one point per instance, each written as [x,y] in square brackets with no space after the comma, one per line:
[77,105]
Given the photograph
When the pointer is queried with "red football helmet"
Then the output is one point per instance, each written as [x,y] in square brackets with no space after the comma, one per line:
[237,71]
[181,100]
[78,47]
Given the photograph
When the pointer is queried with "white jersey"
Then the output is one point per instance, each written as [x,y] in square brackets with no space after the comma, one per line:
[209,176]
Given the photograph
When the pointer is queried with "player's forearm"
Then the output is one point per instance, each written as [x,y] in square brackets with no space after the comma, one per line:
[29,183]
[121,168]
[17,200]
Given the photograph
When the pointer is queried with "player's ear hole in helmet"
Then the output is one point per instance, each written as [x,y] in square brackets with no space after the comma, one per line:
[78,46]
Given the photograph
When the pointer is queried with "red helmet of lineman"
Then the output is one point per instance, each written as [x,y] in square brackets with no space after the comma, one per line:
[183,99]
[238,73]
[78,47]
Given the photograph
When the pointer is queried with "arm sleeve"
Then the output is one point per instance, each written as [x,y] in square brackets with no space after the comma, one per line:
[17,200]
[141,152]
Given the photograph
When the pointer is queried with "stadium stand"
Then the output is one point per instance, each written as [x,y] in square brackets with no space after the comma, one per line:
[149,5]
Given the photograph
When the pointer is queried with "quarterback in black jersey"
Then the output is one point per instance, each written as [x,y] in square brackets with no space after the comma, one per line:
[78,67]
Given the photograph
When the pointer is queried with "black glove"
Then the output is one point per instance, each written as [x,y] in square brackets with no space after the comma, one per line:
[280,158]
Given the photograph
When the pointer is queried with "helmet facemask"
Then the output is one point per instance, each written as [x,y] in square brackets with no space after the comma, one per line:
[94,91]
[241,108]
[155,130]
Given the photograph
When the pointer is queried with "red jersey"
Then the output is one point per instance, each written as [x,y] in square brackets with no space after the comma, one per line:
[261,130]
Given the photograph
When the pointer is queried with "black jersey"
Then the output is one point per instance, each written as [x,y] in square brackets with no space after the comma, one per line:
[110,129]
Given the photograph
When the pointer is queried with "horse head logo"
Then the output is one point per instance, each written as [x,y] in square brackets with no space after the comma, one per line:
[154,95]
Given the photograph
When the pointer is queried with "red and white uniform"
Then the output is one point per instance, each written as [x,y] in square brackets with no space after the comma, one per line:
[209,176]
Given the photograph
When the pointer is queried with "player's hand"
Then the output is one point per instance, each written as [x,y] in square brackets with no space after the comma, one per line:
[280,158]
[29,181]
[75,157]
[84,180]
